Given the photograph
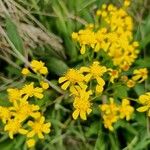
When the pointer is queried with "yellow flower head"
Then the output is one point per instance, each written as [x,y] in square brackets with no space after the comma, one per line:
[39,127]
[13,126]
[25,71]
[30,143]
[109,108]
[126,110]
[44,85]
[23,110]
[127,3]
[38,66]
[5,114]
[14,94]
[85,37]
[130,83]
[71,78]
[109,113]
[109,120]
[114,74]
[82,105]
[145,101]
[95,71]
[140,75]
[30,91]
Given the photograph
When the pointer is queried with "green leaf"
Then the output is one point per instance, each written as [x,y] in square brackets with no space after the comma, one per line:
[57,66]
[121,91]
[13,35]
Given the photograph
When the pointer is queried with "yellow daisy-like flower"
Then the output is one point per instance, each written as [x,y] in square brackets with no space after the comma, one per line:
[30,143]
[77,90]
[71,78]
[95,71]
[130,83]
[114,74]
[23,110]
[126,110]
[109,108]
[39,127]
[140,75]
[109,120]
[30,91]
[145,101]
[13,126]
[14,94]
[82,105]
[25,71]
[44,85]
[109,113]
[5,114]
[39,66]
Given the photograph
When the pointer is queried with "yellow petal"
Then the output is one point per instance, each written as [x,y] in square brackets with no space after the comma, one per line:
[84,69]
[82,50]
[38,95]
[142,109]
[75,114]
[89,111]
[82,85]
[83,115]
[11,135]
[99,89]
[88,77]
[65,85]
[31,134]
[23,131]
[40,135]
[62,79]
[100,81]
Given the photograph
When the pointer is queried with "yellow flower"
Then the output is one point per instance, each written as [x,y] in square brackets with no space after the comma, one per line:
[140,75]
[114,74]
[85,37]
[109,113]
[109,108]
[25,71]
[5,114]
[38,127]
[77,90]
[14,94]
[130,83]
[95,71]
[82,104]
[22,110]
[38,66]
[109,120]
[44,85]
[127,3]
[71,78]
[13,126]
[30,91]
[145,101]
[126,110]
[30,143]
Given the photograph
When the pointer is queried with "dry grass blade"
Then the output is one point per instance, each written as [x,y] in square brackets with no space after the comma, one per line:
[31,30]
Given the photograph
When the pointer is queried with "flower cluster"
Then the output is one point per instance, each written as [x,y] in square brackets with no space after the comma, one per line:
[23,115]
[37,67]
[113,112]
[113,35]
[108,50]
[78,80]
